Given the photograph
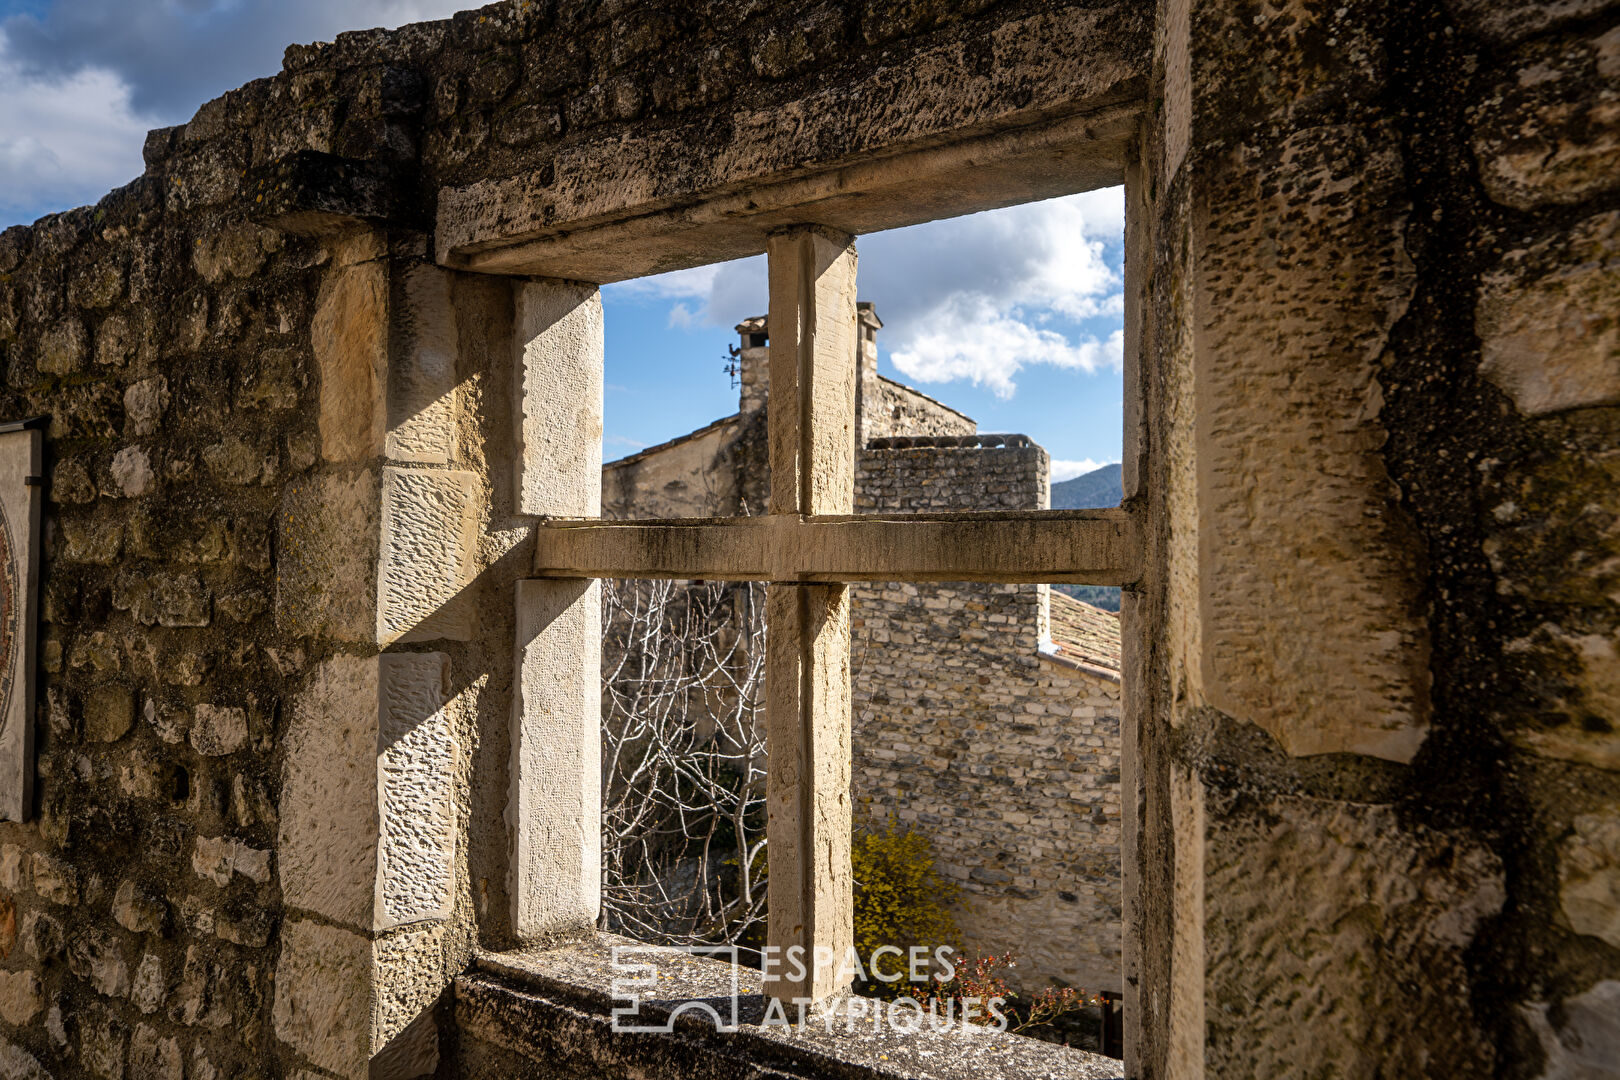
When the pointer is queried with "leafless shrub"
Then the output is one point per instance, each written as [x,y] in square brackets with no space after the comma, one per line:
[683,761]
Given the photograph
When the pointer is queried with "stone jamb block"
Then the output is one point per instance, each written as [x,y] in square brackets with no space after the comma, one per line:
[368,827]
[422,373]
[554,811]
[559,372]
[428,549]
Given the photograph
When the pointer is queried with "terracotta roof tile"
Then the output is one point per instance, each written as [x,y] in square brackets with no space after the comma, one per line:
[1086,634]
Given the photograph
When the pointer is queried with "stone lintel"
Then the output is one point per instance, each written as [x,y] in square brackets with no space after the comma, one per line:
[501,226]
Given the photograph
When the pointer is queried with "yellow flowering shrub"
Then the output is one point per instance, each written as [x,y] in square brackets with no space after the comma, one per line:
[900,900]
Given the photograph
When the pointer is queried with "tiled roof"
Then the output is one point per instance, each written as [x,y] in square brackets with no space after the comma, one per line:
[1084,634]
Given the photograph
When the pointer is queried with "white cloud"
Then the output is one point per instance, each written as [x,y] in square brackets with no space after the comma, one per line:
[64,140]
[968,339]
[82,81]
[969,298]
[1068,470]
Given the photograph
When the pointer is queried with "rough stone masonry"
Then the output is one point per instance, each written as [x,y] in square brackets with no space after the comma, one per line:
[1372,418]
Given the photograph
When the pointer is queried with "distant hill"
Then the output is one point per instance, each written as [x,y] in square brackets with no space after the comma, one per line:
[1099,489]
[1095,490]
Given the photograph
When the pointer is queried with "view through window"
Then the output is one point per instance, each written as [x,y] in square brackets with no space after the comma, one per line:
[986,716]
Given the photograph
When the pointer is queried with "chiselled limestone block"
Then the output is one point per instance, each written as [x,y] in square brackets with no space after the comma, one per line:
[1549,320]
[343,998]
[559,436]
[422,372]
[554,807]
[429,538]
[350,337]
[367,834]
[1310,615]
[1315,923]
[326,580]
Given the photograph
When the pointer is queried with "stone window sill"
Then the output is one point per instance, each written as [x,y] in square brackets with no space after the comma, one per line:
[549,1013]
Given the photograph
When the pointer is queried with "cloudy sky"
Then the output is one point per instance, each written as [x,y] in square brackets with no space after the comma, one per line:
[1011,316]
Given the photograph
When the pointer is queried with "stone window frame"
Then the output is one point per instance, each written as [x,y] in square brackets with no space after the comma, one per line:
[810,538]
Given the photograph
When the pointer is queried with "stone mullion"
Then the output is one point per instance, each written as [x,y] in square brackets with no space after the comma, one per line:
[812,418]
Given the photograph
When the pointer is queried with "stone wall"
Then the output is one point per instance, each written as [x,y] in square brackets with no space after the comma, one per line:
[967,733]
[1377,323]
[172,354]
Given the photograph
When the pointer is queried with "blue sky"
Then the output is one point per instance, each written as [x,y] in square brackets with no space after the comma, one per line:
[1012,316]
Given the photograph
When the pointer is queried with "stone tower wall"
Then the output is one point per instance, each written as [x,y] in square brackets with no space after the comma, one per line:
[966,733]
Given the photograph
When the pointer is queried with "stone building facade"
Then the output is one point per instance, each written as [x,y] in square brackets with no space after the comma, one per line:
[320,377]
[980,720]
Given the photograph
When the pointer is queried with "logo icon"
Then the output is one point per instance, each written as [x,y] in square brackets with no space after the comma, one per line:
[644,975]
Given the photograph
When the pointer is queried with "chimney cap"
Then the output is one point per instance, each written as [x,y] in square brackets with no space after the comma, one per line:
[867,315]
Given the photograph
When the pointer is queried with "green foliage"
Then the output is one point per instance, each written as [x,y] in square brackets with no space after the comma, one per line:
[1099,596]
[900,900]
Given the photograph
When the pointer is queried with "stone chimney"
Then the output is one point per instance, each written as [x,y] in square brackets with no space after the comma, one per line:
[753,364]
[867,324]
[754,357]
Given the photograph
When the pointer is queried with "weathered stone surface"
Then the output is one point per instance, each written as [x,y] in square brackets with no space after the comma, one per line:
[238,251]
[20,997]
[274,380]
[1589,875]
[144,405]
[62,348]
[323,988]
[132,471]
[96,957]
[367,834]
[150,988]
[217,730]
[422,372]
[235,460]
[55,880]
[115,341]
[1549,134]
[560,384]
[1512,20]
[42,936]
[218,857]
[18,1064]
[1293,498]
[1296,888]
[1585,1043]
[109,711]
[1548,324]
[153,1055]
[162,599]
[350,335]
[416,763]
[329,814]
[327,541]
[102,1040]
[429,541]
[556,793]
[137,910]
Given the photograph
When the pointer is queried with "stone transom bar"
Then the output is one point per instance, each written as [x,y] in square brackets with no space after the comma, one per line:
[807,547]
[1089,547]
